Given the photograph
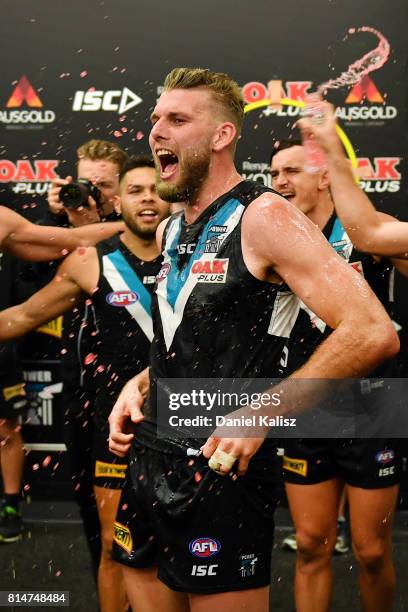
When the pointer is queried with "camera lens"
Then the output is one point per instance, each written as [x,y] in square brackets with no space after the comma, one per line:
[75,195]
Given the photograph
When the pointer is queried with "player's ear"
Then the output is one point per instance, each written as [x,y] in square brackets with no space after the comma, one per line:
[223,135]
[324,180]
[116,204]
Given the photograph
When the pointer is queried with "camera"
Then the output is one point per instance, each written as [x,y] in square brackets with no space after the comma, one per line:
[76,194]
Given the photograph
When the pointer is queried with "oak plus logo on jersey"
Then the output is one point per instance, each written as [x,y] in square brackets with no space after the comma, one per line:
[25,108]
[365,104]
[122,298]
[379,174]
[210,270]
[29,177]
[113,100]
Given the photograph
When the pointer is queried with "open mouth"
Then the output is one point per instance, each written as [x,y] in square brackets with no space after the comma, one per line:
[148,215]
[288,195]
[168,163]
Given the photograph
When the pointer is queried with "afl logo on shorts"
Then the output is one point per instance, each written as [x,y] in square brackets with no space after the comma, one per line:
[122,298]
[385,456]
[165,269]
[204,547]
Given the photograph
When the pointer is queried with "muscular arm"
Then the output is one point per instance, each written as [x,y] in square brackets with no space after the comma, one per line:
[290,245]
[279,242]
[77,274]
[38,243]
[365,226]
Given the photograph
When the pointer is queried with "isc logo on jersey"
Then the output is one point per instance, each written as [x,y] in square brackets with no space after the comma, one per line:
[204,547]
[210,270]
[122,298]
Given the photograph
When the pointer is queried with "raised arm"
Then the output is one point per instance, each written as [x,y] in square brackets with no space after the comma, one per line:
[368,231]
[39,243]
[75,276]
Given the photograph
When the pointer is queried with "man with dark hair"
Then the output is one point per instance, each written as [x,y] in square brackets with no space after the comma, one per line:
[207,537]
[120,278]
[315,469]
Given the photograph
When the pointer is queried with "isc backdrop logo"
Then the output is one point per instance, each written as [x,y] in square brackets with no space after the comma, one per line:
[115,100]
[24,95]
[31,178]
[379,174]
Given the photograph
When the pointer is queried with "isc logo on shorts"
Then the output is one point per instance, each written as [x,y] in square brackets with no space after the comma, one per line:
[210,270]
[385,456]
[204,547]
[110,470]
[298,466]
[122,298]
[122,537]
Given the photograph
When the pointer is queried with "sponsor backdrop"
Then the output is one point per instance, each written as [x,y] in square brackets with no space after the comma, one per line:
[94,70]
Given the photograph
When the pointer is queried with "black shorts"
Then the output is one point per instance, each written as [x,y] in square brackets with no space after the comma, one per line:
[360,462]
[205,533]
[13,400]
[109,471]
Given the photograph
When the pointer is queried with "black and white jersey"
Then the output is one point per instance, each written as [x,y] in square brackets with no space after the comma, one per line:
[310,331]
[212,317]
[122,310]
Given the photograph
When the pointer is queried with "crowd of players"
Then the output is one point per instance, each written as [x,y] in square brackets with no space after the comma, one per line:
[189,524]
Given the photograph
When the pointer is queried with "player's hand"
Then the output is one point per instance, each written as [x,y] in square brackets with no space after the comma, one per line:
[243,448]
[321,125]
[128,408]
[84,215]
[54,203]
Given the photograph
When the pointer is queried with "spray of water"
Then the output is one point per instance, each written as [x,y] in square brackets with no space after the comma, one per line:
[373,60]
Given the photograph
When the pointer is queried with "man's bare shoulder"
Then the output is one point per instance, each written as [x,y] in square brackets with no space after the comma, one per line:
[271,214]
[82,267]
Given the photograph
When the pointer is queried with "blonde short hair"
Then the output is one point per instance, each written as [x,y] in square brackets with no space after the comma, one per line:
[224,89]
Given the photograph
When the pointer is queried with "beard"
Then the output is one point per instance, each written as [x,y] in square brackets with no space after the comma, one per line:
[193,172]
[145,233]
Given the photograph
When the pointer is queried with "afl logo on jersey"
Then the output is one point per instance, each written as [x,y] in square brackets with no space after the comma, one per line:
[164,271]
[204,547]
[122,298]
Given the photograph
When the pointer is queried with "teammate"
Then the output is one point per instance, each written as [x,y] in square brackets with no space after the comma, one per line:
[314,469]
[35,243]
[218,313]
[371,231]
[100,162]
[120,280]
